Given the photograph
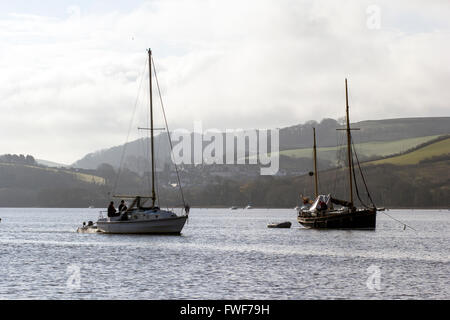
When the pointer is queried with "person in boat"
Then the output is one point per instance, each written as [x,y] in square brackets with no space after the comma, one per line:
[122,206]
[123,211]
[111,210]
[322,206]
[187,208]
[306,203]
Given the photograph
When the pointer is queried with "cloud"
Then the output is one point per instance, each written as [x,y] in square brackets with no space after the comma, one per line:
[69,84]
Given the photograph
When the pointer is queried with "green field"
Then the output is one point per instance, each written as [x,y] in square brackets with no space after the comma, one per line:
[434,149]
[89,178]
[368,149]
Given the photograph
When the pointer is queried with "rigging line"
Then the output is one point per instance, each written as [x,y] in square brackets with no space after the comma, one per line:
[313,177]
[129,129]
[168,131]
[156,153]
[340,172]
[319,183]
[339,149]
[337,157]
[361,173]
[156,173]
[145,151]
[364,180]
[399,221]
[154,159]
[354,176]
[147,139]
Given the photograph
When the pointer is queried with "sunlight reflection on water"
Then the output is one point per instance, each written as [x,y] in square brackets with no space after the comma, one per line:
[223,254]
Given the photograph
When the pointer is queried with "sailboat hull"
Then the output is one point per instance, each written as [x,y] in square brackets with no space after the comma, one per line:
[361,219]
[154,226]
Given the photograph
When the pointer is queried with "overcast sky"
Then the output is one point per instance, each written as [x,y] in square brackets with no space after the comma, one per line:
[70,70]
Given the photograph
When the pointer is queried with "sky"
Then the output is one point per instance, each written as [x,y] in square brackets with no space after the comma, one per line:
[73,72]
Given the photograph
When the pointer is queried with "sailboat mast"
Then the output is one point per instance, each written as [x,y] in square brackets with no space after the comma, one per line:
[151,127]
[316,193]
[349,152]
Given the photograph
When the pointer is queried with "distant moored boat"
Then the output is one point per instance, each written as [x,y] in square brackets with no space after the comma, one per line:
[285,224]
[321,213]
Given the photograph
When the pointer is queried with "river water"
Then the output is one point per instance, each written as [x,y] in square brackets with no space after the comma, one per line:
[224,254]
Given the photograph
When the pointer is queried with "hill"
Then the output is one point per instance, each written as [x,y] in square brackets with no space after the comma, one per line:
[51,164]
[24,184]
[365,150]
[417,178]
[436,149]
[301,136]
[77,175]
[374,139]
[134,155]
[423,185]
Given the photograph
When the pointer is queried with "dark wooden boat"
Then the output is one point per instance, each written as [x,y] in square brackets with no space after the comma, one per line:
[322,214]
[356,219]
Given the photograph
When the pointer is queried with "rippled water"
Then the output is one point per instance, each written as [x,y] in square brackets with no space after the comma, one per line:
[224,254]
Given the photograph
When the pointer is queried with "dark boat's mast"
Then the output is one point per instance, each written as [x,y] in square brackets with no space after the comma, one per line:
[315,165]
[349,151]
[151,127]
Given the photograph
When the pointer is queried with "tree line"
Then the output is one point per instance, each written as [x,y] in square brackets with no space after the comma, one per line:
[416,186]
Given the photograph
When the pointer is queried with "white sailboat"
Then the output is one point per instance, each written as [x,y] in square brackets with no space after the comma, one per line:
[141,219]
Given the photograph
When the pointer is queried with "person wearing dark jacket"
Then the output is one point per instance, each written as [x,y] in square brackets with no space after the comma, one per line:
[111,210]
[122,206]
[123,211]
